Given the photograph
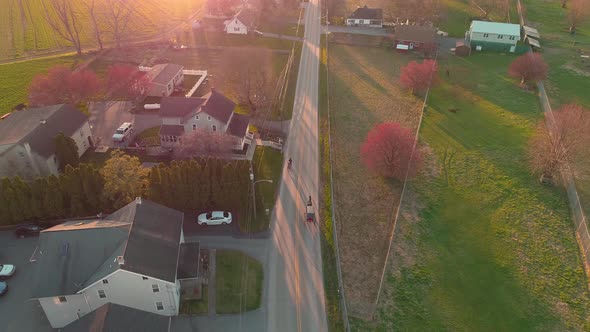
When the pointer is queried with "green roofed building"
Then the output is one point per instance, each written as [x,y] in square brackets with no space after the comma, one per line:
[493,36]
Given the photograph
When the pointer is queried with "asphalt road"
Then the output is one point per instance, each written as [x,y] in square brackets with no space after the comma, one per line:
[17,311]
[294,284]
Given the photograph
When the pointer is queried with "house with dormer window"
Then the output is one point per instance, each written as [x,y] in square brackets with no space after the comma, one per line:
[213,112]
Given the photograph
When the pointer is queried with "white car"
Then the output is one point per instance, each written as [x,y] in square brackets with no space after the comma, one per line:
[122,132]
[6,270]
[214,218]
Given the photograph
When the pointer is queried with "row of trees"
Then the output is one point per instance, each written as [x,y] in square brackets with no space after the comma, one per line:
[87,190]
[64,85]
[203,184]
[76,192]
[110,18]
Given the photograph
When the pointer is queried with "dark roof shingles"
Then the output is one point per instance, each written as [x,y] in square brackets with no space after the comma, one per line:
[179,106]
[238,125]
[188,262]
[171,130]
[26,126]
[367,13]
[164,73]
[154,240]
[219,106]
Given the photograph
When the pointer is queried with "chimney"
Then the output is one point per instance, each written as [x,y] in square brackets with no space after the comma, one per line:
[212,89]
[120,260]
[138,200]
[43,121]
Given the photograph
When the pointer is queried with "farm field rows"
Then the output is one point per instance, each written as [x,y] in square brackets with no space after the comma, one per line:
[25,29]
[363,93]
[480,244]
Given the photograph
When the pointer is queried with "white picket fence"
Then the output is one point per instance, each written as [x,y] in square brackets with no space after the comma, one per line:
[272,144]
[202,73]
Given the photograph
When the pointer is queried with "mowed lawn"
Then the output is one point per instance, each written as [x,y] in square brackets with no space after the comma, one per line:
[15,78]
[363,92]
[481,245]
[238,282]
[24,29]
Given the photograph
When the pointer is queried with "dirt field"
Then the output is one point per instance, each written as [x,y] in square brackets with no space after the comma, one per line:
[364,93]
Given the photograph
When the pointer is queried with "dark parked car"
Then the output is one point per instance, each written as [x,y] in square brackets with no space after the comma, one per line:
[3,288]
[28,230]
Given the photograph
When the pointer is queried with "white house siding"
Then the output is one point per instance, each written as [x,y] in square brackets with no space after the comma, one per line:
[62,314]
[81,136]
[236,27]
[129,289]
[20,160]
[493,38]
[204,123]
[364,22]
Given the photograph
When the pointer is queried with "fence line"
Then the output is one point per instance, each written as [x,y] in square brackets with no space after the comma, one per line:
[578,214]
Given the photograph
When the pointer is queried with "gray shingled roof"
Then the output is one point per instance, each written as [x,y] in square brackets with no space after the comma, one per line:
[188,261]
[179,106]
[26,126]
[154,239]
[238,125]
[164,73]
[218,106]
[76,254]
[367,13]
[112,317]
[69,256]
[171,130]
[247,17]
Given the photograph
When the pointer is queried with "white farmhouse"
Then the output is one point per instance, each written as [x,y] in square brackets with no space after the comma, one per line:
[242,22]
[213,112]
[366,17]
[27,147]
[132,258]
[163,78]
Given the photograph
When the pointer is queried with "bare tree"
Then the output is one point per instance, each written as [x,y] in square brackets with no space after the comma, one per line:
[489,7]
[63,20]
[91,7]
[202,143]
[250,74]
[578,12]
[118,15]
[560,140]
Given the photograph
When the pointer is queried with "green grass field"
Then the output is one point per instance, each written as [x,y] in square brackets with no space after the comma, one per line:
[16,77]
[238,282]
[268,164]
[24,29]
[196,307]
[481,245]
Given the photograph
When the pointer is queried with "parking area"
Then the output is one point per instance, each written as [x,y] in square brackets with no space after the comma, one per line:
[106,117]
[17,311]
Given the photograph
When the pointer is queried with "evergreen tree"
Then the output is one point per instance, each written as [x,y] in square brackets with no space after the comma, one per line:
[205,181]
[195,174]
[92,186]
[22,198]
[166,185]
[5,202]
[72,184]
[38,188]
[155,185]
[184,187]
[175,182]
[66,152]
[16,214]
[53,201]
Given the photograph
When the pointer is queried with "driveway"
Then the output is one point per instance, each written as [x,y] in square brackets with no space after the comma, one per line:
[106,117]
[356,30]
[17,311]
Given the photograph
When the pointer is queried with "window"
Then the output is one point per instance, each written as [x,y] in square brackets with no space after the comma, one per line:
[22,154]
[236,29]
[512,37]
[214,127]
[81,133]
[155,288]
[104,281]
[159,306]
[209,118]
[196,117]
[500,36]
[62,299]
[102,294]
[144,278]
[486,35]
[194,127]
